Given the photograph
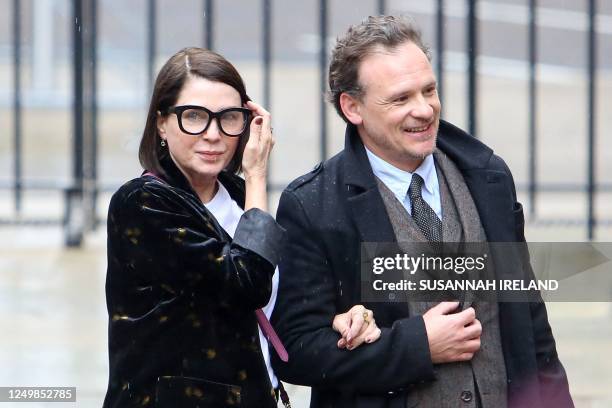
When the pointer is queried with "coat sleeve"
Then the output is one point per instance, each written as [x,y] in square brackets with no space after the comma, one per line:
[552,379]
[303,316]
[164,240]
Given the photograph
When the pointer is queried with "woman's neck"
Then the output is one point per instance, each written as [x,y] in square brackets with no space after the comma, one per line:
[205,188]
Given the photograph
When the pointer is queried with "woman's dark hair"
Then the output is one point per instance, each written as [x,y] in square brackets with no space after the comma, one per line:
[187,62]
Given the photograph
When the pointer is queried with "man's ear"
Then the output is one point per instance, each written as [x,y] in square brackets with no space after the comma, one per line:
[350,107]
[161,125]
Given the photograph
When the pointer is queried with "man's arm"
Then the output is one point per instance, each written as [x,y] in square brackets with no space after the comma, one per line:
[552,379]
[304,313]
[554,389]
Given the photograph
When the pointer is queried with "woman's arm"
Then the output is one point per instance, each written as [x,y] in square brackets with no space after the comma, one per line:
[166,239]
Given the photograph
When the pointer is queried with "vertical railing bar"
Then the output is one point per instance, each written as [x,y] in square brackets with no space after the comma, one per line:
[74,195]
[151,43]
[532,108]
[17,130]
[208,21]
[266,66]
[440,49]
[323,76]
[94,110]
[592,65]
[472,75]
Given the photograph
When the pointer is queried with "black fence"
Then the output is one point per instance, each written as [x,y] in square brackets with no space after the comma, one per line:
[80,196]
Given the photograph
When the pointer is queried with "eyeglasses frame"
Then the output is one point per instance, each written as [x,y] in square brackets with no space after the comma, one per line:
[178,111]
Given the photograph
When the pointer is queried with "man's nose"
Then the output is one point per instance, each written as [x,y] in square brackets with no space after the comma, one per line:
[422,109]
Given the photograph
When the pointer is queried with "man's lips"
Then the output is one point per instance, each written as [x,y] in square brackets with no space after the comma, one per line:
[418,129]
[420,133]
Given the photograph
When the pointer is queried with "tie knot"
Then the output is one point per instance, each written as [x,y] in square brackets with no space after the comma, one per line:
[414,191]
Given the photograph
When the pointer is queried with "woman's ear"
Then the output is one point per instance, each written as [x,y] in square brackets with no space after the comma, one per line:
[161,125]
[350,107]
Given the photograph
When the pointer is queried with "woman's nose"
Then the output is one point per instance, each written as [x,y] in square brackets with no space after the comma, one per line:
[213,132]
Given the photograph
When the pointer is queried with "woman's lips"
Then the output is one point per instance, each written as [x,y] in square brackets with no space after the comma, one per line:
[209,155]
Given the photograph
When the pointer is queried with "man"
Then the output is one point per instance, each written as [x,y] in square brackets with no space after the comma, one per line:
[405,175]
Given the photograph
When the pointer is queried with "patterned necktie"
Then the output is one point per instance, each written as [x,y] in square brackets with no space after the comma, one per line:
[424,216]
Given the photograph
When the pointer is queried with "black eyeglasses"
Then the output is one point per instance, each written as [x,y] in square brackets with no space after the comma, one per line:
[194,120]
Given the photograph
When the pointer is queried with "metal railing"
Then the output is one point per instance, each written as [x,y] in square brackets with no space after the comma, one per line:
[80,196]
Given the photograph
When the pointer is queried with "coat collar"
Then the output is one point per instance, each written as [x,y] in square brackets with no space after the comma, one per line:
[469,154]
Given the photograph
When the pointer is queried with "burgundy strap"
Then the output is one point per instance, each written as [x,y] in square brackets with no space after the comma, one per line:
[271,335]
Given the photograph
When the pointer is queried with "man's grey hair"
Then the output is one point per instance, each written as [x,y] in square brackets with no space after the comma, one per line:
[360,41]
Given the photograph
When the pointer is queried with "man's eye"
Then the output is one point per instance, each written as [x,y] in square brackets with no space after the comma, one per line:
[401,99]
[430,91]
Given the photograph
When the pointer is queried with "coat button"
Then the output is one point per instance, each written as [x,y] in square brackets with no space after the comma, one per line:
[466,396]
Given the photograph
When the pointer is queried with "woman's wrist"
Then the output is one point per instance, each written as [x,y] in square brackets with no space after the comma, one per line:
[256,193]
[255,178]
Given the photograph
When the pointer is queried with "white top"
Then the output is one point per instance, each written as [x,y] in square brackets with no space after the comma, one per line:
[398,181]
[228,213]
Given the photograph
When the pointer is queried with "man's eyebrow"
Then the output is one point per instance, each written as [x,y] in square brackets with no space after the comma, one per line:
[429,84]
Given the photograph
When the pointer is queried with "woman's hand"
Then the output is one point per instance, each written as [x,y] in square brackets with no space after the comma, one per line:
[258,148]
[356,326]
[255,158]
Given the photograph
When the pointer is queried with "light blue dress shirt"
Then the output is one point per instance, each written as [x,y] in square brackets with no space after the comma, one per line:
[398,181]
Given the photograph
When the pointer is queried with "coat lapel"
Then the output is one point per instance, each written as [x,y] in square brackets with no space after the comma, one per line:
[364,200]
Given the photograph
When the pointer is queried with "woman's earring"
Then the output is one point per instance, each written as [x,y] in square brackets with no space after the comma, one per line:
[163,143]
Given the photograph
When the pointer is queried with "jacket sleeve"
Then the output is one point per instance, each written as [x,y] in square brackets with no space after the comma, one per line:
[165,240]
[552,379]
[305,308]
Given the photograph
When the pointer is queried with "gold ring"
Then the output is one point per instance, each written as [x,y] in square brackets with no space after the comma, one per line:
[365,317]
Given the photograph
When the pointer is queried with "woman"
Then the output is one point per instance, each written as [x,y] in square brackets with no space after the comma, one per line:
[192,252]
[181,292]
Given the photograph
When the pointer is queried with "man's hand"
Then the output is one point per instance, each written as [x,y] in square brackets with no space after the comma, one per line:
[452,337]
[356,326]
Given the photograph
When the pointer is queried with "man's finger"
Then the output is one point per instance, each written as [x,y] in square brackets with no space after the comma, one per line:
[473,330]
[466,316]
[443,308]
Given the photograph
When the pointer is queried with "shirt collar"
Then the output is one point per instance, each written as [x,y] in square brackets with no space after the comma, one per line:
[398,180]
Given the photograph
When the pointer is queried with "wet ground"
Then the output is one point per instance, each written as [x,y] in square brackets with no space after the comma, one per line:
[54,318]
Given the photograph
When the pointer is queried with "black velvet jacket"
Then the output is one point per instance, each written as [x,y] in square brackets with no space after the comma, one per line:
[181,296]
